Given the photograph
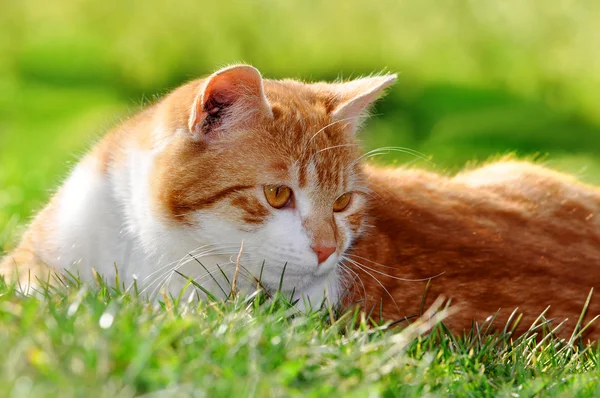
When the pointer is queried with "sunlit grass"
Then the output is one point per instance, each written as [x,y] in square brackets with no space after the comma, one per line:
[101,340]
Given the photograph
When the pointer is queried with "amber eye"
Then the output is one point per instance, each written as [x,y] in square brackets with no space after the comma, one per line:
[342,202]
[278,196]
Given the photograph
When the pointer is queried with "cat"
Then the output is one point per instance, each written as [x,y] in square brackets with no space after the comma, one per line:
[234,176]
[227,159]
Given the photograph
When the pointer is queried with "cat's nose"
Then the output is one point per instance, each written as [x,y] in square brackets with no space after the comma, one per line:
[323,252]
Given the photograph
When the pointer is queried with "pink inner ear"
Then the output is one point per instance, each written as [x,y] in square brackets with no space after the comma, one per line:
[241,85]
[358,95]
[355,107]
[218,95]
[213,111]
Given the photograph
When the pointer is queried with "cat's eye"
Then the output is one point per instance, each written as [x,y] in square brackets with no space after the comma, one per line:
[342,202]
[278,196]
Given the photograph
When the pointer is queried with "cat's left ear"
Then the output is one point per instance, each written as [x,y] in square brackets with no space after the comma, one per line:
[227,100]
[352,99]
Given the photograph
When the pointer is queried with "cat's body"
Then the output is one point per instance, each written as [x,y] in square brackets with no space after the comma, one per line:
[275,164]
[504,236]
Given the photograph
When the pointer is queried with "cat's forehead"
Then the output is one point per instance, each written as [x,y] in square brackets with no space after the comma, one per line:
[302,112]
[316,150]
[293,102]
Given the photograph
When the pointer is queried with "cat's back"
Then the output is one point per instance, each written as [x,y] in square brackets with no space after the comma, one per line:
[531,183]
[491,193]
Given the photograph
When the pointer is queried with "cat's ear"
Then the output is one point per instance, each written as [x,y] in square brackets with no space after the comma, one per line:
[228,98]
[352,99]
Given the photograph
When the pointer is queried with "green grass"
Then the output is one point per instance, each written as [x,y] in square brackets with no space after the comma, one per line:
[476,80]
[99,340]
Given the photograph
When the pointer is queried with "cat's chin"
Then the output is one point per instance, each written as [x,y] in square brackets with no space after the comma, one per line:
[328,266]
[323,291]
[310,288]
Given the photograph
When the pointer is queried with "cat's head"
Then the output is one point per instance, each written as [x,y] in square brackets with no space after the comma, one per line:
[274,163]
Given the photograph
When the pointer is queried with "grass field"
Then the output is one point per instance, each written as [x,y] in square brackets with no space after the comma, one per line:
[476,80]
[101,341]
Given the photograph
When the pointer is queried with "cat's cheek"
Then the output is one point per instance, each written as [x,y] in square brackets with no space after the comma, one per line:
[283,242]
[349,227]
[354,222]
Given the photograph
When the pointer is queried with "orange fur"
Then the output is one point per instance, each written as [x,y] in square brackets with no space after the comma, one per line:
[508,235]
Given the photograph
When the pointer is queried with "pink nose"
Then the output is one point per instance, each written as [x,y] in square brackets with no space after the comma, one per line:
[323,252]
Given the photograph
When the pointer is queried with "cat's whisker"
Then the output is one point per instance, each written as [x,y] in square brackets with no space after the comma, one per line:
[171,263]
[366,259]
[223,251]
[406,150]
[220,245]
[410,163]
[388,149]
[169,274]
[165,276]
[345,280]
[218,268]
[166,279]
[195,252]
[388,275]
[356,264]
[245,271]
[208,274]
[323,129]
[336,146]
[212,246]
[354,275]
[161,274]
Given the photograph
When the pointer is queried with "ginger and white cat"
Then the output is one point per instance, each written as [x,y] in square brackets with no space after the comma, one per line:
[275,164]
[221,160]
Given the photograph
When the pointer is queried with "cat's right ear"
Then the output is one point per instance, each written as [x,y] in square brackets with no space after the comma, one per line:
[228,98]
[352,99]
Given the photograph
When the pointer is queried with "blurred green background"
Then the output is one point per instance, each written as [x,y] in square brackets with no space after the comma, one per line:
[476,78]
